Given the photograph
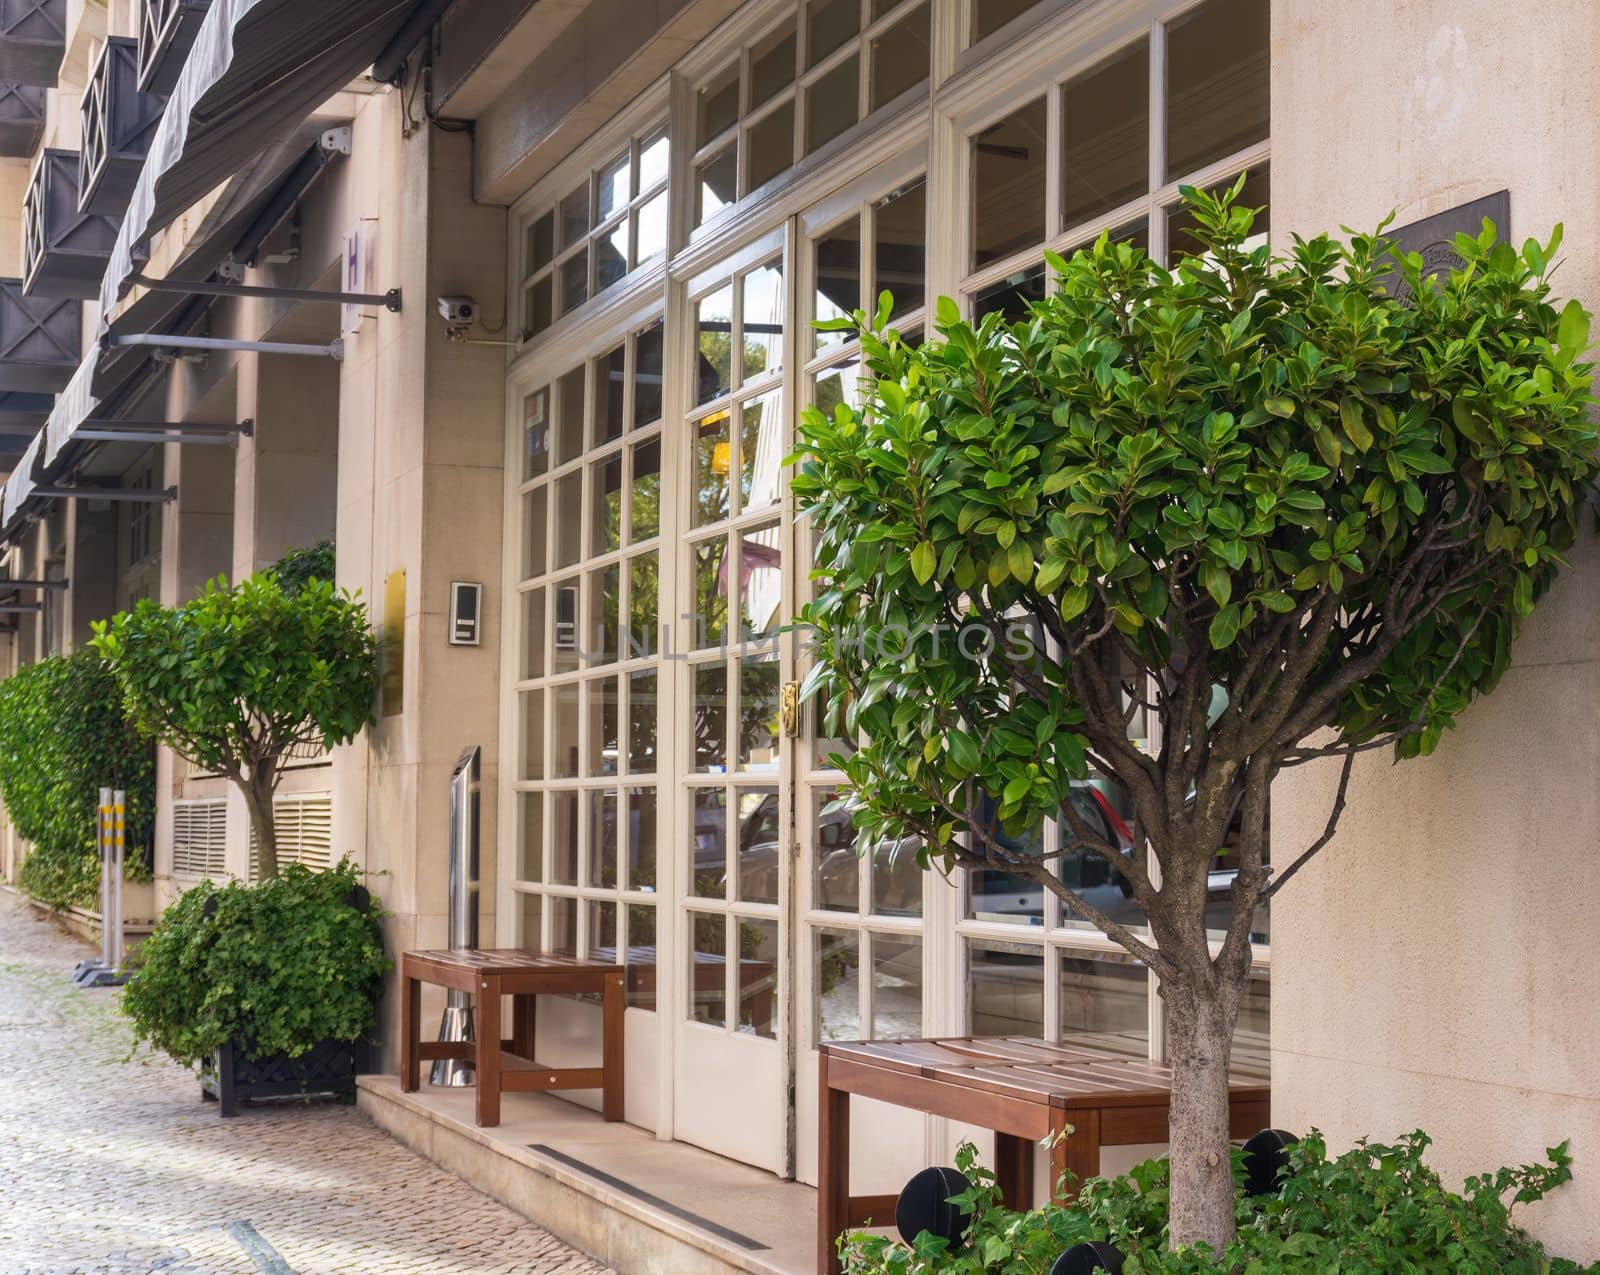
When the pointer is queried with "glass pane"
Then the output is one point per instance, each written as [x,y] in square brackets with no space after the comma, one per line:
[836,984]
[604,717]
[762,321]
[613,187]
[758,977]
[759,832]
[534,633]
[644,588]
[574,272]
[836,881]
[602,930]
[1105,125]
[900,57]
[605,504]
[535,531]
[896,987]
[1180,239]
[715,182]
[831,105]
[716,105]
[603,843]
[610,379]
[532,931]
[569,421]
[708,968]
[537,307]
[653,158]
[837,385]
[536,433]
[645,515]
[711,718]
[710,831]
[569,507]
[760,582]
[769,146]
[650,229]
[564,708]
[710,618]
[760,451]
[1011,295]
[541,244]
[605,611]
[530,849]
[897,878]
[758,714]
[829,23]
[1003,896]
[642,716]
[564,838]
[641,957]
[532,734]
[563,927]
[642,838]
[574,215]
[712,459]
[1252,1034]
[714,334]
[1105,1003]
[1218,82]
[988,16]
[1005,989]
[564,639]
[900,246]
[1008,184]
[611,256]
[827,723]
[647,375]
[772,64]
[1086,872]
[838,287]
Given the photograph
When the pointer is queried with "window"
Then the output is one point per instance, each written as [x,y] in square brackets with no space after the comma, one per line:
[988,16]
[811,78]
[589,658]
[613,220]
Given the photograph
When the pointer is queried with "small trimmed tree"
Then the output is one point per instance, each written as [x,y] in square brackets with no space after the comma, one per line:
[239,677]
[1290,509]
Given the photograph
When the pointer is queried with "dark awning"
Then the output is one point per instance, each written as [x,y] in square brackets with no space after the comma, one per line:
[257,69]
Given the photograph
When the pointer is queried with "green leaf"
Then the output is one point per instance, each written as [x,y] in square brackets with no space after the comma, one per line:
[923,562]
[1224,627]
[1353,418]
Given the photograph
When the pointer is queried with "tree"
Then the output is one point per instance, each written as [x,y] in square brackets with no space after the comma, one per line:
[1331,497]
[239,677]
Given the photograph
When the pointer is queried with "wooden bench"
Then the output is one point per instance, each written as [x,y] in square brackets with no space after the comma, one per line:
[1025,1090]
[509,1065]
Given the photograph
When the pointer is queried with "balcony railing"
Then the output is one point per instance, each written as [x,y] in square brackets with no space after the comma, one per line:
[64,251]
[21,119]
[33,37]
[38,340]
[118,123]
[167,29]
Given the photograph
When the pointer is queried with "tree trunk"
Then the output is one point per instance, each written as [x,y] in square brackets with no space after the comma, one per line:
[1199,1042]
[258,790]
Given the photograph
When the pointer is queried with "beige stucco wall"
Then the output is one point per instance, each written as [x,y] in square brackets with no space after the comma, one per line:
[1437,966]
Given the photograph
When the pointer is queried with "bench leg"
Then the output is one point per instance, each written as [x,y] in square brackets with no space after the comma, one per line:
[833,1169]
[488,1060]
[1078,1154]
[1013,1170]
[611,1057]
[410,1040]
[522,1025]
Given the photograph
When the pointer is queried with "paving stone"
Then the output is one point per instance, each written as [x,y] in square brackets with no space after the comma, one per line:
[111,1164]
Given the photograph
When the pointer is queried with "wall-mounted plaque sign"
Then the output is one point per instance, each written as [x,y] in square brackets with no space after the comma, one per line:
[1434,237]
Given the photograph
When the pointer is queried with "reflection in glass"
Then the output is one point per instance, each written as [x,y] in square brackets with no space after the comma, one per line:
[641,838]
[715,183]
[829,23]
[564,838]
[533,633]
[758,977]
[708,968]
[650,229]
[1008,184]
[831,103]
[769,145]
[1105,1003]
[647,375]
[602,841]
[574,272]
[563,927]
[532,931]
[653,154]
[537,312]
[1252,1033]
[564,723]
[1011,295]
[897,878]
[900,57]
[760,582]
[714,334]
[611,256]
[836,984]
[641,956]
[613,187]
[759,831]
[710,620]
[535,531]
[532,734]
[644,586]
[758,714]
[1003,896]
[763,321]
[1105,128]
[602,930]
[838,384]
[900,247]
[604,716]
[838,287]
[564,636]
[536,433]
[1218,82]
[710,831]
[988,16]
[569,506]
[530,849]
[605,504]
[605,610]
[896,987]
[760,450]
[609,380]
[642,716]
[645,517]
[1087,873]
[836,875]
[716,106]
[569,421]
[541,242]
[772,64]
[574,215]
[710,721]
[712,459]
[1005,989]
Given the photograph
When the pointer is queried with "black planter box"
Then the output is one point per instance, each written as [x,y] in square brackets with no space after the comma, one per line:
[327,1068]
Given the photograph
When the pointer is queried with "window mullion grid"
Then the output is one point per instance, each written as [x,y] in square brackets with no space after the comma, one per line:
[1156,225]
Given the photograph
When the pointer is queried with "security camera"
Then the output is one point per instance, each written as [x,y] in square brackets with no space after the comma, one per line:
[458,312]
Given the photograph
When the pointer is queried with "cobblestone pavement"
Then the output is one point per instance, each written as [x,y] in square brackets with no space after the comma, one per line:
[111,1166]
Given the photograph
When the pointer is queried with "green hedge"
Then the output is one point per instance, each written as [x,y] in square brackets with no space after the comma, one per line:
[299,567]
[63,734]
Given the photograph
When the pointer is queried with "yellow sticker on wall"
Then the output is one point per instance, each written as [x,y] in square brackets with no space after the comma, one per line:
[392,652]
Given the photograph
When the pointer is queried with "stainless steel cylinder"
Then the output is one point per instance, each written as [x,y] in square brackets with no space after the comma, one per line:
[457,1022]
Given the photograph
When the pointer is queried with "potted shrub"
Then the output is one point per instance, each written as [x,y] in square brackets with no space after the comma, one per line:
[269,989]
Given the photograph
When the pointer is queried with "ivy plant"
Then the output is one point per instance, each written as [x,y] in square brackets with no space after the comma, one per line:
[64,734]
[1285,508]
[239,677]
